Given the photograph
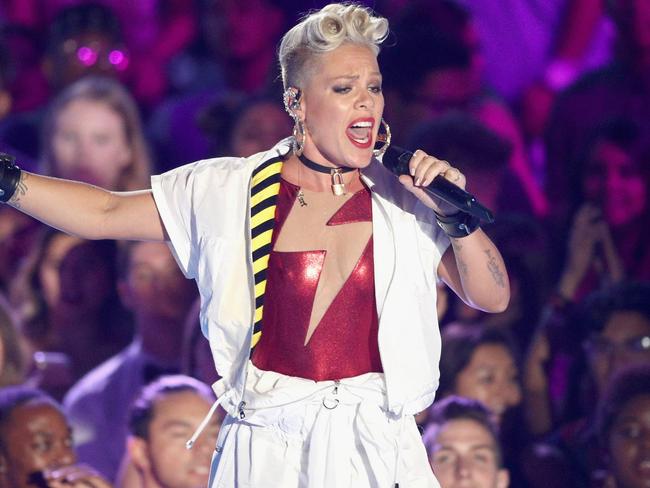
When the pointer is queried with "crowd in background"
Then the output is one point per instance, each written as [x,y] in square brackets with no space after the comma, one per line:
[542,104]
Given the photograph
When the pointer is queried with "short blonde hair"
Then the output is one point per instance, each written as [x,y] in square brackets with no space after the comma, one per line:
[324,30]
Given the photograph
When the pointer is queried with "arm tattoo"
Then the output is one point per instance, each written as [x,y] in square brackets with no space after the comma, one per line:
[21,190]
[493,267]
[460,263]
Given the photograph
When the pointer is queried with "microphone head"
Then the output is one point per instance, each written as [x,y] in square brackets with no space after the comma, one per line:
[396,160]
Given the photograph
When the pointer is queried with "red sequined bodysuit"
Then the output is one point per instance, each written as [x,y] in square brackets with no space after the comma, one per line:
[320,315]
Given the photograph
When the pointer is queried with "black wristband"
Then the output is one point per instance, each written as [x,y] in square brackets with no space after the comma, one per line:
[9,177]
[460,224]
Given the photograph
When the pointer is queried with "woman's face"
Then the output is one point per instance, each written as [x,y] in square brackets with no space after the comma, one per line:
[613,180]
[90,144]
[492,378]
[629,444]
[623,342]
[341,105]
[37,437]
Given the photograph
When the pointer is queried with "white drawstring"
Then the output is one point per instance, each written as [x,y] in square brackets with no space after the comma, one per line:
[199,430]
[398,454]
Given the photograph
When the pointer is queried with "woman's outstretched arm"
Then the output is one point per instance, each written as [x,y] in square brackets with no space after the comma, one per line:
[88,211]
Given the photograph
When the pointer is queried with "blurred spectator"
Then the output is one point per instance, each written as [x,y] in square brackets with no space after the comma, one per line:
[66,296]
[22,73]
[463,445]
[83,40]
[235,55]
[11,76]
[615,327]
[93,134]
[624,429]
[196,356]
[163,417]
[479,153]
[159,296]
[427,83]
[13,350]
[236,46]
[36,444]
[614,180]
[618,90]
[479,363]
[18,235]
[36,289]
[245,127]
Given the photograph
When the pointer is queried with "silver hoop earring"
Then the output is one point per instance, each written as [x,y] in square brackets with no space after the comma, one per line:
[383,137]
[298,137]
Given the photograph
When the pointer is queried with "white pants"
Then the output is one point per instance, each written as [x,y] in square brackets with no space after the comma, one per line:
[299,433]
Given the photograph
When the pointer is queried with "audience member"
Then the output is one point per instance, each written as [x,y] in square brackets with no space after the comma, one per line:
[13,350]
[36,444]
[620,89]
[10,76]
[615,325]
[245,127]
[447,76]
[66,296]
[463,445]
[479,363]
[235,55]
[83,40]
[23,73]
[93,134]
[18,235]
[159,296]
[614,180]
[478,152]
[36,289]
[624,429]
[163,417]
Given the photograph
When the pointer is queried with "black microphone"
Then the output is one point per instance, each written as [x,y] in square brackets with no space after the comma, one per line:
[396,159]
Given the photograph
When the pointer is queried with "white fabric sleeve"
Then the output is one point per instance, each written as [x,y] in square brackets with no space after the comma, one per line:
[173,193]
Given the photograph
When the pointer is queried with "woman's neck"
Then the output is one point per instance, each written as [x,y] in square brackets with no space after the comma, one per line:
[294,171]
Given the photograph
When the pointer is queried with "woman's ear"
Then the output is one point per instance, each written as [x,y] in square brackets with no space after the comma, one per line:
[293,102]
[5,103]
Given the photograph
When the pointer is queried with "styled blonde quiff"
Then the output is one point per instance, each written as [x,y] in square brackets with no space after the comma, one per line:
[325,30]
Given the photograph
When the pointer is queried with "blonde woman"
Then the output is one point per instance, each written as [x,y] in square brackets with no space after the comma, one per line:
[93,133]
[321,260]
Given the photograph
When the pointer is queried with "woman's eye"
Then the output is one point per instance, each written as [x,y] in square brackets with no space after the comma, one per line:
[42,445]
[375,89]
[486,379]
[629,431]
[342,89]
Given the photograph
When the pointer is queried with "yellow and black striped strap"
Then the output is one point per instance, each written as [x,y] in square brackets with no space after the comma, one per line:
[265,186]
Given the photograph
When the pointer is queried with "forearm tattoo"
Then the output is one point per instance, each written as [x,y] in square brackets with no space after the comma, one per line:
[463,269]
[21,190]
[493,267]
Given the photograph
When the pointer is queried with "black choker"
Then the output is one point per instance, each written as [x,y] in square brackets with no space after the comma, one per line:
[320,168]
[338,185]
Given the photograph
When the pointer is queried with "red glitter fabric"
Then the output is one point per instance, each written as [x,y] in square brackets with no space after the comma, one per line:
[344,344]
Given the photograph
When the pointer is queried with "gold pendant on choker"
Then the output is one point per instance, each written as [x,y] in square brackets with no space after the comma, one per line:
[338,185]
